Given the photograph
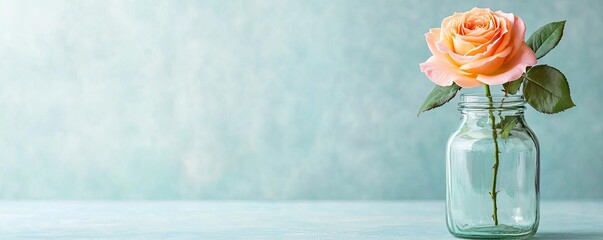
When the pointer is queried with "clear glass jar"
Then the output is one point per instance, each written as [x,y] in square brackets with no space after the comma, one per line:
[472,172]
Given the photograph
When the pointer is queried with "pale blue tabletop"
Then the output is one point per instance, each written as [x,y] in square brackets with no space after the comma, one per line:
[266,220]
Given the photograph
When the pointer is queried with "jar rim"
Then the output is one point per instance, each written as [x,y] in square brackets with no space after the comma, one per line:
[499,102]
[496,97]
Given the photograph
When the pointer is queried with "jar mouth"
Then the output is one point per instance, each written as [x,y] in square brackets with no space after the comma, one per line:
[499,101]
[496,97]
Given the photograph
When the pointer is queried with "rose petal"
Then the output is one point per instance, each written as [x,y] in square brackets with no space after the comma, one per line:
[504,38]
[474,39]
[519,31]
[448,20]
[461,46]
[468,82]
[457,58]
[481,33]
[444,73]
[509,16]
[432,37]
[512,69]
[487,65]
[472,56]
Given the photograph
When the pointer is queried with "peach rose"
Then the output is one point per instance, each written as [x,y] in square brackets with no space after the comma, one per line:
[477,47]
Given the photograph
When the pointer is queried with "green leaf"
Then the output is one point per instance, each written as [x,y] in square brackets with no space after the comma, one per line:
[547,90]
[506,125]
[504,121]
[438,97]
[546,38]
[513,87]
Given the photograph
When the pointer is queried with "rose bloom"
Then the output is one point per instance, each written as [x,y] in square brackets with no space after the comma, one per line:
[477,47]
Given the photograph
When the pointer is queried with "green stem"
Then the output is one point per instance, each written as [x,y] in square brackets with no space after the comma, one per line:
[493,192]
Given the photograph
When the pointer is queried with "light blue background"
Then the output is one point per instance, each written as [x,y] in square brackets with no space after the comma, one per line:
[259,100]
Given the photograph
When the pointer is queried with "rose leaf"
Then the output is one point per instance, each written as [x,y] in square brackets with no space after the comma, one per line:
[546,38]
[438,97]
[513,86]
[547,90]
[506,125]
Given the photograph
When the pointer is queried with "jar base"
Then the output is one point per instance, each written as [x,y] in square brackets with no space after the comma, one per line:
[494,232]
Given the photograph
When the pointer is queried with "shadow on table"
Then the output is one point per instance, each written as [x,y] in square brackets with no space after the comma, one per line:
[568,235]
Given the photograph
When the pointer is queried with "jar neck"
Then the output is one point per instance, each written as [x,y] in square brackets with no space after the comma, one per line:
[476,108]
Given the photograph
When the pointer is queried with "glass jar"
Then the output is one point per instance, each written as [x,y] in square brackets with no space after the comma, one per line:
[474,170]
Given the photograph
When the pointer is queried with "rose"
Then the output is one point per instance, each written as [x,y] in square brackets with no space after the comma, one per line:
[477,47]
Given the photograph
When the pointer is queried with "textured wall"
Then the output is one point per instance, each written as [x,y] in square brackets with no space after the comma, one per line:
[259,100]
